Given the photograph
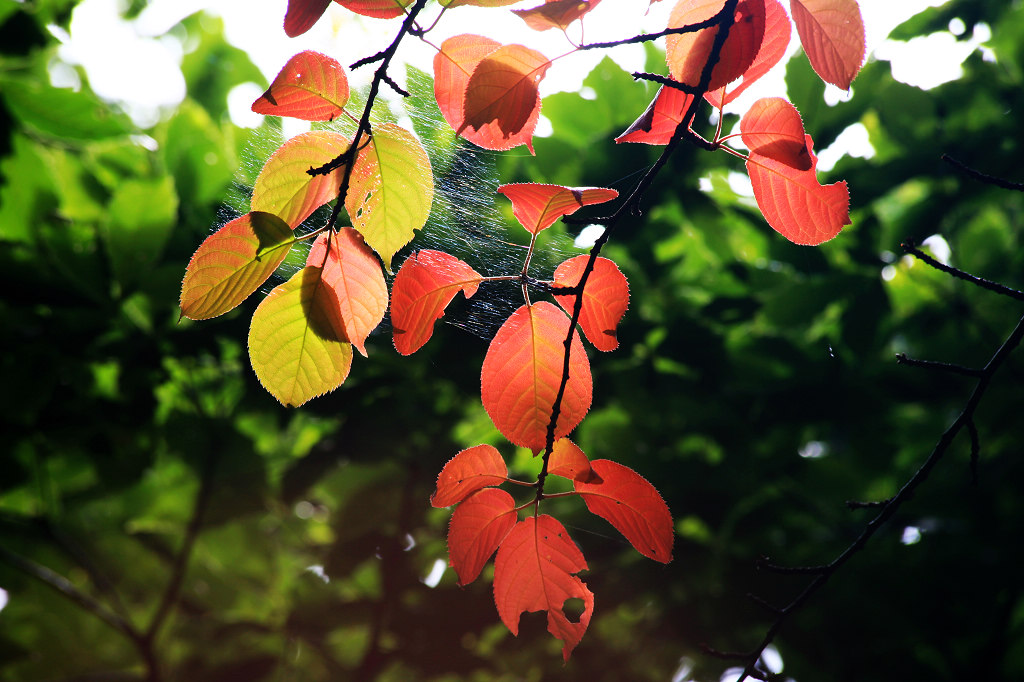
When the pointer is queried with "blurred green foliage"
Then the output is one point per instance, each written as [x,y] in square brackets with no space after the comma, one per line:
[755,386]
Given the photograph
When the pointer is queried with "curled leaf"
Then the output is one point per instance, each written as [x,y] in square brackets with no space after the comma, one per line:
[658,124]
[537,206]
[465,473]
[605,298]
[687,53]
[302,14]
[772,127]
[777,32]
[424,286]
[477,527]
[569,461]
[555,13]
[310,86]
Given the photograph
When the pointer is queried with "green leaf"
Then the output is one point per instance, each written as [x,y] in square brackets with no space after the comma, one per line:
[141,215]
[61,112]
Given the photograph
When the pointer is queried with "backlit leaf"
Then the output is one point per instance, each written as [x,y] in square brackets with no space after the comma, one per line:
[353,272]
[478,3]
[232,263]
[687,53]
[424,286]
[378,9]
[302,14]
[285,189]
[568,461]
[794,203]
[772,128]
[832,35]
[537,206]
[391,190]
[522,371]
[297,342]
[534,572]
[555,13]
[605,298]
[777,32]
[477,527]
[465,473]
[311,86]
[658,124]
[630,503]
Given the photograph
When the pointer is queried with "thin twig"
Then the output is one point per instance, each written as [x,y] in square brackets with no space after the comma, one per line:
[911,248]
[983,177]
[903,359]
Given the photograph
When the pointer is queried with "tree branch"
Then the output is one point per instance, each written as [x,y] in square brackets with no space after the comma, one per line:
[912,249]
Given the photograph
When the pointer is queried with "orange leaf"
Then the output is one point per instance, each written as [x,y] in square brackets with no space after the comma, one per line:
[353,272]
[777,32]
[555,13]
[794,203]
[378,9]
[232,263]
[625,499]
[687,53]
[605,298]
[285,189]
[568,461]
[424,286]
[311,86]
[772,128]
[478,3]
[538,206]
[302,14]
[658,124]
[522,371]
[534,572]
[832,35]
[477,527]
[465,473]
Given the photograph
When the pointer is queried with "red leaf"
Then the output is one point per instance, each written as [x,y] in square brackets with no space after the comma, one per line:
[378,9]
[477,527]
[605,298]
[777,31]
[832,35]
[354,273]
[794,203]
[658,124]
[467,472]
[626,500]
[302,14]
[534,572]
[555,13]
[772,128]
[424,286]
[686,53]
[538,206]
[568,461]
[311,86]
[522,371]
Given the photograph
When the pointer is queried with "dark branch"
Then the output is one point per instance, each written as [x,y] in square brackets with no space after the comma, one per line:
[664,80]
[978,175]
[911,248]
[648,37]
[902,359]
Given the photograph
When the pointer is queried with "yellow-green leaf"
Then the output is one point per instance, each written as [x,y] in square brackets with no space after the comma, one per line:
[285,189]
[297,342]
[232,263]
[391,190]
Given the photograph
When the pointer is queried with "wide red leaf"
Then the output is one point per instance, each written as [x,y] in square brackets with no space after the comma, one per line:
[629,502]
[302,14]
[465,473]
[794,203]
[777,32]
[569,461]
[555,13]
[832,35]
[534,572]
[522,371]
[311,86]
[537,206]
[605,298]
[658,124]
[477,527]
[354,273]
[378,9]
[687,53]
[424,286]
[772,127]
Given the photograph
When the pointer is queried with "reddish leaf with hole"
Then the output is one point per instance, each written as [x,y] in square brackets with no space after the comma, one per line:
[658,124]
[465,473]
[555,13]
[522,372]
[311,86]
[353,272]
[378,9]
[534,572]
[832,34]
[629,502]
[424,286]
[477,527]
[605,298]
[568,461]
[777,32]
[772,127]
[302,14]
[537,206]
[285,189]
[687,53]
